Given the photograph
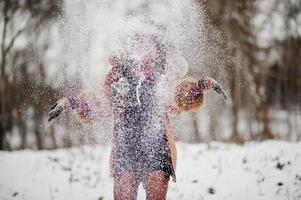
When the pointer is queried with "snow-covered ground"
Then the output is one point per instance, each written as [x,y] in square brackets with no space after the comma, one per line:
[268,170]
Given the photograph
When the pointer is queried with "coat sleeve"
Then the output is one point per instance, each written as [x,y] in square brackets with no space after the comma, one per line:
[188,96]
[171,146]
[108,83]
[90,107]
[108,93]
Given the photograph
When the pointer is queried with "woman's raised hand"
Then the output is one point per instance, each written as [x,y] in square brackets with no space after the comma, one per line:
[57,109]
[210,83]
[60,106]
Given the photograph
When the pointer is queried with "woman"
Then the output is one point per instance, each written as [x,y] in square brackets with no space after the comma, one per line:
[143,148]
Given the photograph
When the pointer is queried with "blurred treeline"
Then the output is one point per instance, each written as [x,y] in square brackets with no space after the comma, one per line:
[264,72]
[264,81]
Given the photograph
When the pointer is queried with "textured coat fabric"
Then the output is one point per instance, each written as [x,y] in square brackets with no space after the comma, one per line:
[172,153]
[140,135]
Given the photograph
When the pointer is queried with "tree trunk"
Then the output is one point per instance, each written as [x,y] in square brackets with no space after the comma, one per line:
[39,142]
[235,135]
[213,124]
[235,105]
[37,132]
[1,133]
[2,82]
[264,118]
[196,133]
[23,132]
[52,136]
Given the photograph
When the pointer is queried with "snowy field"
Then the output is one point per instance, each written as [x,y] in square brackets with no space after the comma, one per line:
[269,170]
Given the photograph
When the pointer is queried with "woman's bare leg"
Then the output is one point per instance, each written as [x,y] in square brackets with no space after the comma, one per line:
[156,186]
[126,186]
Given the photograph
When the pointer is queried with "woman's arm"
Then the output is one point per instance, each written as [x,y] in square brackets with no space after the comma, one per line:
[87,106]
[189,94]
[108,84]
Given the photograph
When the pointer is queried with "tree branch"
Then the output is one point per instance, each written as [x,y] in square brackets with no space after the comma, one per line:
[3,40]
[13,41]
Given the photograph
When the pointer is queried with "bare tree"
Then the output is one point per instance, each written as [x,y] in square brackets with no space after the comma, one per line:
[34,14]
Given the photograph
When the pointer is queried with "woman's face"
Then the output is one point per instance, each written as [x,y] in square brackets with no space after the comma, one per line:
[144,52]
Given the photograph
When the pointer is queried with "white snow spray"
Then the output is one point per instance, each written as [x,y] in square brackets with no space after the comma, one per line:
[135,117]
[91,30]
